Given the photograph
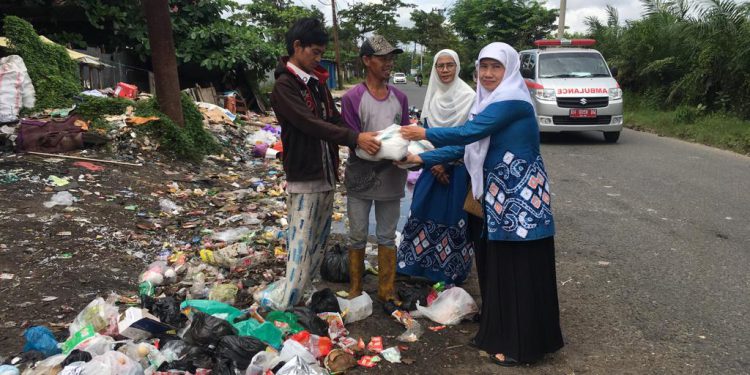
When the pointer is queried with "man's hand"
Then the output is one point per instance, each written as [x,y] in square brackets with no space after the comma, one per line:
[439,172]
[368,142]
[413,133]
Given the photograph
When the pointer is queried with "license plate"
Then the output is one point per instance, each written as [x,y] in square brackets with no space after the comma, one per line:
[582,112]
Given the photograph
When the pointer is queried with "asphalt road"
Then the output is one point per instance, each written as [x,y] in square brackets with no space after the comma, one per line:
[653,253]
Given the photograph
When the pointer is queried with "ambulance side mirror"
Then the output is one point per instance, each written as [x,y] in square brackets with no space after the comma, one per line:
[613,70]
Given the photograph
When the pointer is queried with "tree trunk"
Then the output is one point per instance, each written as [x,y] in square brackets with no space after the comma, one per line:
[163,58]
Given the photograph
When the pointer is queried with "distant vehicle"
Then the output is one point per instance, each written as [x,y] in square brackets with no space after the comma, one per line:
[572,88]
[399,78]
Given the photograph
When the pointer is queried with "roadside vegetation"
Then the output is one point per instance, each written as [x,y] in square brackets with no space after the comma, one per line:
[685,65]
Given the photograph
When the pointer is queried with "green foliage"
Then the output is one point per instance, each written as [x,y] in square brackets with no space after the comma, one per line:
[686,114]
[191,142]
[92,108]
[53,73]
[718,129]
[518,23]
[275,17]
[684,53]
[432,31]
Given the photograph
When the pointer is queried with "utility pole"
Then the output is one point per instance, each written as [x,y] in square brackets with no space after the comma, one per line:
[561,24]
[163,58]
[339,78]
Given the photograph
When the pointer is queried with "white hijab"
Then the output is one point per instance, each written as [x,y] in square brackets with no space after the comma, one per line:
[447,105]
[512,87]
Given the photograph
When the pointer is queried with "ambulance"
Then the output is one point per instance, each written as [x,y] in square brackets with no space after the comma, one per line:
[572,88]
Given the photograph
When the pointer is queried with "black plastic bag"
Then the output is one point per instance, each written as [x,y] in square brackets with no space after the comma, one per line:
[76,356]
[239,349]
[324,301]
[309,320]
[193,357]
[335,266]
[411,294]
[168,311]
[207,331]
[223,366]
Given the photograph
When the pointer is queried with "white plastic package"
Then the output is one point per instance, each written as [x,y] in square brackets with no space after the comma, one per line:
[293,349]
[450,307]
[112,363]
[392,145]
[355,309]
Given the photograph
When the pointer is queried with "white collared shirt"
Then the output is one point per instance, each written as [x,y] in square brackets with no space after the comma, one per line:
[304,76]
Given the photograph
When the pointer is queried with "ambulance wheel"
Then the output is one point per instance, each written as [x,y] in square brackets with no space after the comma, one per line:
[611,137]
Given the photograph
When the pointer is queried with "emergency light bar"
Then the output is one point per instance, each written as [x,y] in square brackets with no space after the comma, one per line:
[564,42]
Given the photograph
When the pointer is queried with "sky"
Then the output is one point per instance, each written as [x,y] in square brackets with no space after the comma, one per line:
[578,10]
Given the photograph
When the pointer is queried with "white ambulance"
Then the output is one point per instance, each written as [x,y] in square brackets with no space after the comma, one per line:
[572,88]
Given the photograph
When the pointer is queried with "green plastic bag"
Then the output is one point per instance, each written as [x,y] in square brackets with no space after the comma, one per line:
[213,308]
[266,332]
[285,321]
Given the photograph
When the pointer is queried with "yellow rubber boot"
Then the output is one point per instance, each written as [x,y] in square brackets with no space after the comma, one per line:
[356,271]
[386,273]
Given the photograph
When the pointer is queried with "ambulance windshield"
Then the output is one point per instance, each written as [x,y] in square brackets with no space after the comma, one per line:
[572,65]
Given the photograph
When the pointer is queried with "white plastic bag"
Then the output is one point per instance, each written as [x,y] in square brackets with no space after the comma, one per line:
[16,89]
[48,366]
[271,297]
[103,315]
[262,362]
[97,345]
[292,349]
[450,307]
[112,363]
[355,309]
[392,145]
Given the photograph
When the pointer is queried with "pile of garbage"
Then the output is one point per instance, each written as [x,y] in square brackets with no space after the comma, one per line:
[184,321]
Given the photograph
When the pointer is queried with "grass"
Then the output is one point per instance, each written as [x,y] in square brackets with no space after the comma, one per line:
[713,129]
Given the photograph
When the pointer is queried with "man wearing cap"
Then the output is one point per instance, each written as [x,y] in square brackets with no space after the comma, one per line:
[371,106]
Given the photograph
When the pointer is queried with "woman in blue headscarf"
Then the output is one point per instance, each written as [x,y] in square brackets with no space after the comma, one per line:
[514,238]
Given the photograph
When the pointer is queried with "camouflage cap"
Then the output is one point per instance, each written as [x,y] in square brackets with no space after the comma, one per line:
[378,46]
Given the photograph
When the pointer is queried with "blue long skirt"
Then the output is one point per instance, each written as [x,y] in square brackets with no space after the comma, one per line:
[435,244]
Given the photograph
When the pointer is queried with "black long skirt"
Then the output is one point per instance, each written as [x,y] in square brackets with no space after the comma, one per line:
[517,282]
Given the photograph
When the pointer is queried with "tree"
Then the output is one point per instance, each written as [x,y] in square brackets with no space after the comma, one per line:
[432,31]
[156,13]
[517,22]
[274,17]
[365,17]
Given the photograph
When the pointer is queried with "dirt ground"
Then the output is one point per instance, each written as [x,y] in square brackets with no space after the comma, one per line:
[56,260]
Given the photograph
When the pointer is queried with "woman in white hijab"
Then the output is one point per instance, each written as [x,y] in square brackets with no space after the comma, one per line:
[435,244]
[514,237]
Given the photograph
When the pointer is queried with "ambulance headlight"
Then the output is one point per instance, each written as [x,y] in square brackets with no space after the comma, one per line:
[615,93]
[545,94]
[616,120]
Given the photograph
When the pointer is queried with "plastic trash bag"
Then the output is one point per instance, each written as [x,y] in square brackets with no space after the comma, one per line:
[324,301]
[266,332]
[9,370]
[213,308]
[231,235]
[206,330]
[16,88]
[392,145]
[63,198]
[240,350]
[75,368]
[173,350]
[103,315]
[112,363]
[225,293]
[416,148]
[193,357]
[355,309]
[48,366]
[293,349]
[271,297]
[297,366]
[97,345]
[41,339]
[168,311]
[335,266]
[262,362]
[285,321]
[308,319]
[450,307]
[76,356]
[410,295]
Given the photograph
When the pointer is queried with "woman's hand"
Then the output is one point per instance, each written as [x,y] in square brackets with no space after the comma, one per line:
[440,174]
[413,133]
[409,159]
